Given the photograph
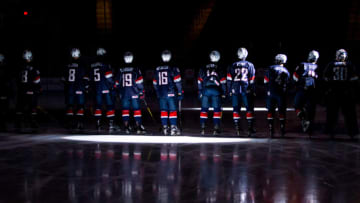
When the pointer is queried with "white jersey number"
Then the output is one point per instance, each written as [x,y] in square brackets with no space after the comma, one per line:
[24,76]
[71,75]
[241,74]
[97,77]
[163,78]
[127,80]
[340,73]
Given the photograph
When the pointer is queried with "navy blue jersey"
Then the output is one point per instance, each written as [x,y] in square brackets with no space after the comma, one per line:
[29,79]
[5,85]
[211,76]
[102,76]
[75,77]
[130,82]
[240,77]
[166,79]
[340,74]
[305,75]
[276,79]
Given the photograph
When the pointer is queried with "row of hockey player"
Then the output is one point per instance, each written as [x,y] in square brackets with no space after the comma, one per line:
[214,85]
[128,83]
[239,84]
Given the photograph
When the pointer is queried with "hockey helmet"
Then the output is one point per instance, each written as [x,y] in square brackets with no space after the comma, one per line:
[242,53]
[214,56]
[166,56]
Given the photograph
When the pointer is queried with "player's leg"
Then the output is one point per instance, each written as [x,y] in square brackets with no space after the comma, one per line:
[80,111]
[216,104]
[249,105]
[164,115]
[34,113]
[173,116]
[125,103]
[270,105]
[332,109]
[110,113]
[204,112]
[236,112]
[98,109]
[69,100]
[311,98]
[348,108]
[4,103]
[281,101]
[140,129]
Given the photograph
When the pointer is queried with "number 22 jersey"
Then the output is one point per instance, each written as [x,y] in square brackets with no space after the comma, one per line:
[240,77]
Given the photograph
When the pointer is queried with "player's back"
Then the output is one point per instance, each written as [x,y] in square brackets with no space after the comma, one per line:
[128,78]
[165,80]
[278,78]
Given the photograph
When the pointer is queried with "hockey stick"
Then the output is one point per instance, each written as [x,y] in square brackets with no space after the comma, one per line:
[149,110]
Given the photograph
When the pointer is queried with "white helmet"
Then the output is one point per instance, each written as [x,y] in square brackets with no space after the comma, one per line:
[214,56]
[242,53]
[100,52]
[280,59]
[128,57]
[313,56]
[27,55]
[166,56]
[2,58]
[341,55]
[75,53]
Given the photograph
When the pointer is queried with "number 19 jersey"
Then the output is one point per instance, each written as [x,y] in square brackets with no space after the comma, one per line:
[130,82]
[240,77]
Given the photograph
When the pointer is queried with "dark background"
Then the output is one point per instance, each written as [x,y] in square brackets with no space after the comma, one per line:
[146,28]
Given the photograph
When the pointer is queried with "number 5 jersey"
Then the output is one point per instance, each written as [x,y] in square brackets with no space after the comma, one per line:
[130,82]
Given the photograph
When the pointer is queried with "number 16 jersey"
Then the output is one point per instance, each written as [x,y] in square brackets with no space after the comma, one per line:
[240,77]
[165,80]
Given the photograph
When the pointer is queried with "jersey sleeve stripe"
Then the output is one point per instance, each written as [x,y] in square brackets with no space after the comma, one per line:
[229,76]
[108,74]
[37,79]
[296,77]
[177,78]
[139,80]
[266,79]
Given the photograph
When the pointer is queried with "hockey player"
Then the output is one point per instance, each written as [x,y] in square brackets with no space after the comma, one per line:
[28,90]
[130,83]
[340,77]
[167,84]
[76,83]
[241,87]
[4,92]
[276,80]
[305,77]
[212,88]
[102,76]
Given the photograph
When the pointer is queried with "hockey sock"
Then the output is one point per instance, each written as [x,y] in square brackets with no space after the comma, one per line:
[137,116]
[173,118]
[217,116]
[164,118]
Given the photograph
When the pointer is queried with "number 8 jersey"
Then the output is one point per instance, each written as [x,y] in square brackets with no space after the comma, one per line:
[240,77]
[130,82]
[75,78]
